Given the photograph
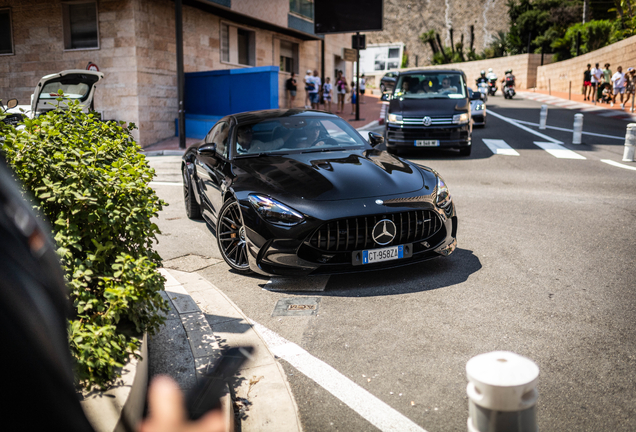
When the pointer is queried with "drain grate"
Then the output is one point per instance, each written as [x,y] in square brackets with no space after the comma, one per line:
[296,306]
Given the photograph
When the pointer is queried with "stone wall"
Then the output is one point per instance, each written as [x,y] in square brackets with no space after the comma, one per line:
[406,20]
[559,75]
[524,67]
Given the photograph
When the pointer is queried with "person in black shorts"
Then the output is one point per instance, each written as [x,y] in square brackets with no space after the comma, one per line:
[290,87]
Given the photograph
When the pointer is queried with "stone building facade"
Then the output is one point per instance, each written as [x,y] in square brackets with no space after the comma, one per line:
[136,50]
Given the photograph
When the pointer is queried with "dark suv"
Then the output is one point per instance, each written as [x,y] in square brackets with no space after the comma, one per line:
[429,108]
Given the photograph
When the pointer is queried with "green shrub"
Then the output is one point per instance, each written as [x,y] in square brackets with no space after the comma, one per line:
[89,180]
[594,35]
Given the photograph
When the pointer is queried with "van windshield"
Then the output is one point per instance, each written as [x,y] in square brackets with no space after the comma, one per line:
[430,85]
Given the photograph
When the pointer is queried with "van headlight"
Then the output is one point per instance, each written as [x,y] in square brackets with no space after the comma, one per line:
[460,118]
[443,198]
[395,118]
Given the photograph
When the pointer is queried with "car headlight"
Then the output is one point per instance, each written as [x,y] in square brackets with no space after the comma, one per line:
[395,118]
[479,107]
[275,212]
[443,198]
[460,118]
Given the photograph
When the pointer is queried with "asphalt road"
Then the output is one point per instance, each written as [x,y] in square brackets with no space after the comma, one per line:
[545,267]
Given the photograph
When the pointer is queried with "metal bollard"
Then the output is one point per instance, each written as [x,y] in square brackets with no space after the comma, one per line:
[543,117]
[578,129]
[630,143]
[502,393]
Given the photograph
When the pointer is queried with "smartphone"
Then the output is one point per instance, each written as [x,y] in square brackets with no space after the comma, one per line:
[206,395]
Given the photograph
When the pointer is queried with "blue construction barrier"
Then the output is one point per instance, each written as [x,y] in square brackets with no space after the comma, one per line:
[211,95]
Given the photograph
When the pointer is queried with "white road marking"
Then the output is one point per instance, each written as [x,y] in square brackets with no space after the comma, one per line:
[558,150]
[372,409]
[620,165]
[160,183]
[500,147]
[570,130]
[527,129]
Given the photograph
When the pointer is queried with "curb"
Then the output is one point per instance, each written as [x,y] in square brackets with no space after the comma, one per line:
[578,106]
[163,152]
[212,320]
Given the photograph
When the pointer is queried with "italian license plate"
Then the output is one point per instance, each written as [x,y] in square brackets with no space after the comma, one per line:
[426,143]
[384,254]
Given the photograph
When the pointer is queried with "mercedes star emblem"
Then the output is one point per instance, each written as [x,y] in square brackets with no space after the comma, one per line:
[427,121]
[384,232]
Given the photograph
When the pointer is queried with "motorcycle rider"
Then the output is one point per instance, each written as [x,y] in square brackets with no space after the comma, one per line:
[492,82]
[508,83]
[482,78]
[491,75]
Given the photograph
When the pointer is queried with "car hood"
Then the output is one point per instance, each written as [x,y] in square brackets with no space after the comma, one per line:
[430,107]
[330,176]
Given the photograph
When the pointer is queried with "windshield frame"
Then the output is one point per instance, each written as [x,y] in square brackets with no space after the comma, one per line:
[287,149]
[460,91]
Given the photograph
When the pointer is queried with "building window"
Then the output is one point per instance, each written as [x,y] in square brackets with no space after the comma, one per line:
[238,45]
[288,56]
[80,25]
[304,8]
[6,36]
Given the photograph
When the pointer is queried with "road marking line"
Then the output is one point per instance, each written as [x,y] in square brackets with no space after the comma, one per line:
[160,183]
[610,113]
[558,150]
[372,409]
[527,129]
[620,165]
[500,147]
[570,130]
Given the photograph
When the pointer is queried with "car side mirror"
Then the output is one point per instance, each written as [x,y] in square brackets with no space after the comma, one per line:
[385,97]
[207,150]
[12,103]
[375,139]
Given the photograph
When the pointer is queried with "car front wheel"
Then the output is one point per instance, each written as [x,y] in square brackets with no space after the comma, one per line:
[230,237]
[193,209]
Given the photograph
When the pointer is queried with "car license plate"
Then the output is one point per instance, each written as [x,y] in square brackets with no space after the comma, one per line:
[426,143]
[384,254]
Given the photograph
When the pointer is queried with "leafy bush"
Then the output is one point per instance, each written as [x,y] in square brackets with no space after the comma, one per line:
[89,180]
[594,35]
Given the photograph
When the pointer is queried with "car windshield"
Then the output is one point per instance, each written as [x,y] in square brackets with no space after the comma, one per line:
[430,85]
[295,133]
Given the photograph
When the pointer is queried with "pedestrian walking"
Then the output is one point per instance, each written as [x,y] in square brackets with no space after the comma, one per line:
[363,82]
[341,89]
[352,97]
[290,86]
[326,94]
[309,85]
[619,83]
[587,83]
[314,94]
[597,74]
[630,88]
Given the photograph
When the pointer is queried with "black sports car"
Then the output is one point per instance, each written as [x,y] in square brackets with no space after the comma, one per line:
[296,192]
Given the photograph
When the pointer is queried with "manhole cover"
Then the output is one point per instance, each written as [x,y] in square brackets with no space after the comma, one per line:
[297,306]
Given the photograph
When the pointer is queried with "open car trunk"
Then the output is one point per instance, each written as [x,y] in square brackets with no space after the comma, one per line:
[77,85]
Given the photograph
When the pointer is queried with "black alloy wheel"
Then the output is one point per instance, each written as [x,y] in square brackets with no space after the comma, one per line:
[230,237]
[193,209]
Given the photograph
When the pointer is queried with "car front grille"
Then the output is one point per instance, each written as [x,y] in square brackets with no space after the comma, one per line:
[348,235]
[419,121]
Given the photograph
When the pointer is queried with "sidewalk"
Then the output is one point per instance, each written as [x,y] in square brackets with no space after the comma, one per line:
[202,321]
[575,101]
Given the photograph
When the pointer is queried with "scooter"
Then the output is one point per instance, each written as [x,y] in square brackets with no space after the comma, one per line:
[508,91]
[483,89]
[11,118]
[492,86]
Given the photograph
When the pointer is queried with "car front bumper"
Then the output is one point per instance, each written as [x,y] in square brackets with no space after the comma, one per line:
[449,136]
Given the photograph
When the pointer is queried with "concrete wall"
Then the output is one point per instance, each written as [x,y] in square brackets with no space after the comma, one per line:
[524,67]
[560,74]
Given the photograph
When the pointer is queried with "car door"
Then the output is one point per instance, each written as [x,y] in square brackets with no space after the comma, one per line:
[207,169]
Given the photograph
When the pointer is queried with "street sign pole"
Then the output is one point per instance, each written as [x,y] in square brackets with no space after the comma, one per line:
[358,76]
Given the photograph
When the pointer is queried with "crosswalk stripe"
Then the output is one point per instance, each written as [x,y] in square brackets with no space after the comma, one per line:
[558,151]
[500,147]
[620,165]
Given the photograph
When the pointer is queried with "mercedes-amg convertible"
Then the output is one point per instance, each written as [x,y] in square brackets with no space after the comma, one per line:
[296,192]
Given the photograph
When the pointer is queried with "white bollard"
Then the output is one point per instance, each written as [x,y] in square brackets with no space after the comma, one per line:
[630,143]
[543,117]
[502,393]
[578,129]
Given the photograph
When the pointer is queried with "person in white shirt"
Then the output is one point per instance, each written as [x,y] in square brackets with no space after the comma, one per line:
[326,93]
[314,95]
[597,73]
[309,85]
[619,82]
[362,88]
